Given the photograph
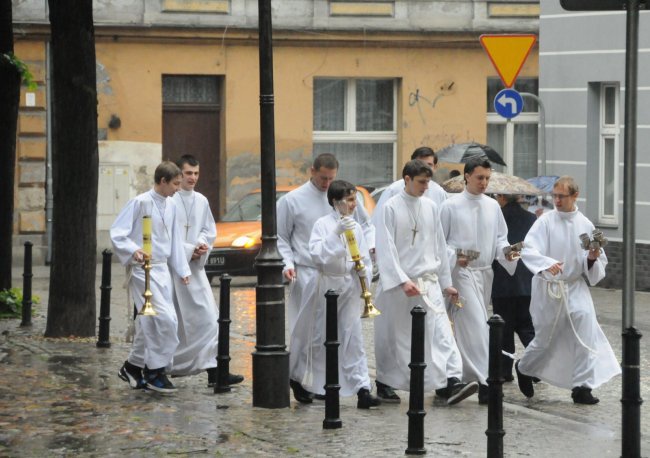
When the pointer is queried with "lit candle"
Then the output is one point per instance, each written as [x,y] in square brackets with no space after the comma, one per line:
[146,235]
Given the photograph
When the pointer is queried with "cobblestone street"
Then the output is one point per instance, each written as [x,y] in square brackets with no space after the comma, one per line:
[63,398]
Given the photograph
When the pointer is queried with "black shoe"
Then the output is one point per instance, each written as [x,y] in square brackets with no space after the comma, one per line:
[319,397]
[158,381]
[213,374]
[365,400]
[582,395]
[387,394]
[482,394]
[525,382]
[459,391]
[300,394]
[132,374]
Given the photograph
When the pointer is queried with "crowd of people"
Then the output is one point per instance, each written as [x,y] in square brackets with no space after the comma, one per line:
[453,256]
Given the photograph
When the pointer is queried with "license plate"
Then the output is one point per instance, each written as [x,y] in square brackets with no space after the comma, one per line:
[217,260]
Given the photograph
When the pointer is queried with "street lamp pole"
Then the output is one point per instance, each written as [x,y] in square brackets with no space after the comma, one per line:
[270,358]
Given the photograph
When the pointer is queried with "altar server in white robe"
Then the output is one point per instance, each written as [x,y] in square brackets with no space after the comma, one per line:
[297,211]
[336,271]
[473,223]
[414,269]
[433,192]
[197,312]
[570,349]
[156,337]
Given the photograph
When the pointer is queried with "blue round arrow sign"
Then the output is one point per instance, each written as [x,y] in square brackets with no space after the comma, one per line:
[508,103]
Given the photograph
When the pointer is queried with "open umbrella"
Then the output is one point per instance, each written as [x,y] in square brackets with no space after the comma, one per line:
[460,152]
[500,183]
[545,183]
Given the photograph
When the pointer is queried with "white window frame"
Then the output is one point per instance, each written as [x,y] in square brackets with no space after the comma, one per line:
[524,118]
[608,131]
[350,134]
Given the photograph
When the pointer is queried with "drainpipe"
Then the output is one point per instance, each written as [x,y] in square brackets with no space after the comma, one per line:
[541,133]
[49,196]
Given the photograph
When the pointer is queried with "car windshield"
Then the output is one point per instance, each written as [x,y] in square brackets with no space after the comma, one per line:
[249,208]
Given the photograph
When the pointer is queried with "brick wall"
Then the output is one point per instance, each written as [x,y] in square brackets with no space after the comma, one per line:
[614,278]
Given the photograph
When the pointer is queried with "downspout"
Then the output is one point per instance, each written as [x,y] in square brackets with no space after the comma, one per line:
[541,133]
[49,197]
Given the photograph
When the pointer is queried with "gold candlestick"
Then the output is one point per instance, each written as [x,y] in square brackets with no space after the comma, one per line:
[369,309]
[147,308]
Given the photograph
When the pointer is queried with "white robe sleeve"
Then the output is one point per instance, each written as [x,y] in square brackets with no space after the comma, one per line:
[325,246]
[177,259]
[535,244]
[207,234]
[445,223]
[391,273]
[597,271]
[122,227]
[362,217]
[444,271]
[502,242]
[285,230]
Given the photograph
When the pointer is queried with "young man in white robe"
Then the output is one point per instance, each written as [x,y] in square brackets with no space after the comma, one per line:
[297,211]
[330,253]
[156,336]
[570,349]
[474,226]
[197,312]
[433,192]
[414,269]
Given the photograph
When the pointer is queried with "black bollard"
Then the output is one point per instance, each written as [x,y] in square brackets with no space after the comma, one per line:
[495,380]
[104,339]
[631,395]
[223,352]
[27,286]
[332,387]
[416,410]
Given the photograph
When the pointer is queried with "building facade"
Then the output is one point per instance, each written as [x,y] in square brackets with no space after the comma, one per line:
[367,80]
[582,85]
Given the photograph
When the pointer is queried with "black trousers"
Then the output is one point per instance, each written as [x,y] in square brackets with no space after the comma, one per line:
[515,311]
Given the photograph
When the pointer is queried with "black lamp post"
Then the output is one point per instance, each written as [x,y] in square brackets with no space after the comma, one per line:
[270,358]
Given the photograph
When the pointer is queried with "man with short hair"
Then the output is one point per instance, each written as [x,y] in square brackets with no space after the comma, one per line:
[297,211]
[156,336]
[414,269]
[476,234]
[570,349]
[198,329]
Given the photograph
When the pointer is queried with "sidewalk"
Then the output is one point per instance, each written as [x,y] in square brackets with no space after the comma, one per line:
[63,398]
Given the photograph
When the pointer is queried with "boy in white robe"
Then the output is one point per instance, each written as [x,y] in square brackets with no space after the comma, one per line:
[473,222]
[297,211]
[156,337]
[413,269]
[570,349]
[336,271]
[197,312]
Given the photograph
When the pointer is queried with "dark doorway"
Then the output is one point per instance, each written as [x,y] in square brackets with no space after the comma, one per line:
[192,125]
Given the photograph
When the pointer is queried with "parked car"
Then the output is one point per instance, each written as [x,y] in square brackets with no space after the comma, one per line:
[239,234]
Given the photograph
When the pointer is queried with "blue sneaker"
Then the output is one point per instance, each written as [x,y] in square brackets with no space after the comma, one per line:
[131,374]
[159,382]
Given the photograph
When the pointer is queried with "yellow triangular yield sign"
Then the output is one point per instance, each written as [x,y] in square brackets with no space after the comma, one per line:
[508,53]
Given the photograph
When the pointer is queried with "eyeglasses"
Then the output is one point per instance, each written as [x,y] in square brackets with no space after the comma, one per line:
[560,196]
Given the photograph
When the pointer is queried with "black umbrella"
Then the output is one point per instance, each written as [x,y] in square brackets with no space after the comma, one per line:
[460,152]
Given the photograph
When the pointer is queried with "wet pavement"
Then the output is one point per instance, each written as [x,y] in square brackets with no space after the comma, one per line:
[62,397]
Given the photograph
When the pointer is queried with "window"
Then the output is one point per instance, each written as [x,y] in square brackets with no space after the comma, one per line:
[355,120]
[515,139]
[608,154]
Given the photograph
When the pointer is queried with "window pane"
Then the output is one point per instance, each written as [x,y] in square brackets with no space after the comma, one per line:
[361,163]
[525,150]
[190,89]
[496,138]
[329,104]
[609,164]
[610,105]
[530,85]
[375,105]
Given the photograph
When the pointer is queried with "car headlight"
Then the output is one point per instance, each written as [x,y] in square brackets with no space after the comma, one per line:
[243,242]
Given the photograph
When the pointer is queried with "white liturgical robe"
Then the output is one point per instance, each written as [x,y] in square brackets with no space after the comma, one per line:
[330,254]
[411,246]
[156,337]
[474,222]
[569,348]
[196,309]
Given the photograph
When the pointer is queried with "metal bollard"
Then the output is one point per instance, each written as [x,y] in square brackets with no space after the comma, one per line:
[495,430]
[104,339]
[416,410]
[631,395]
[332,387]
[223,352]
[27,286]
